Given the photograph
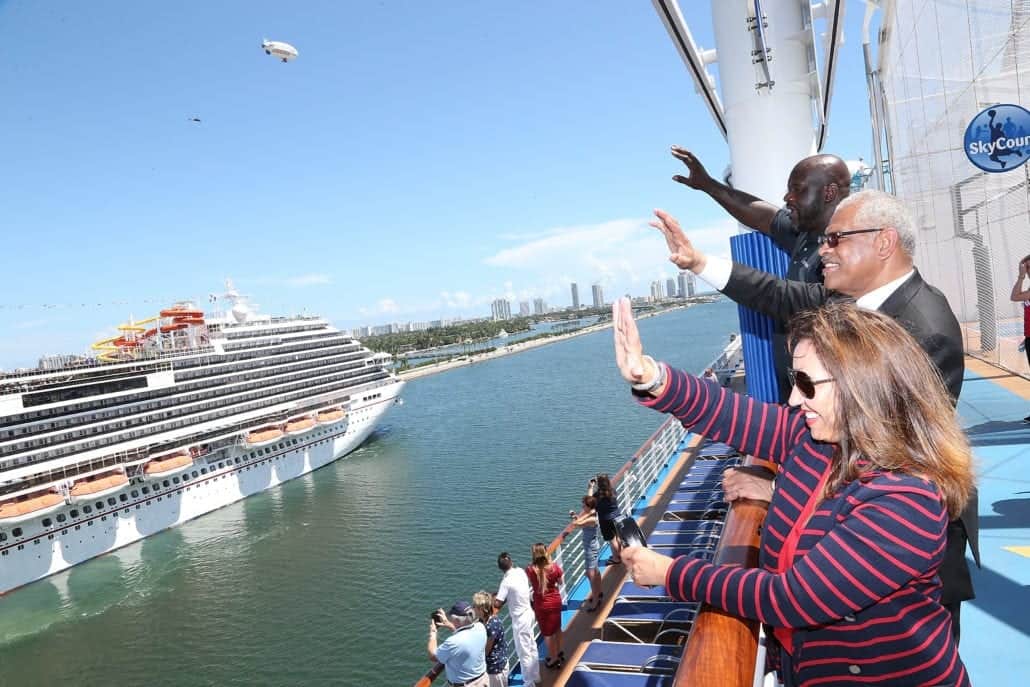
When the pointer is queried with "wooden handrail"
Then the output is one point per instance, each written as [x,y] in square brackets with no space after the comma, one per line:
[430,675]
[722,647]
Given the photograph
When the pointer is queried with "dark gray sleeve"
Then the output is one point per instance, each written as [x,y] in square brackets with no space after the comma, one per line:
[767,294]
[782,231]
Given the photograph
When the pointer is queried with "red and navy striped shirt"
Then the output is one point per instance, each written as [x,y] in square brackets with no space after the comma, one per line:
[862,594]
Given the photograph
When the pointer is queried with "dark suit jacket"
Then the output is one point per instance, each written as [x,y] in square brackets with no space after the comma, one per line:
[924,312]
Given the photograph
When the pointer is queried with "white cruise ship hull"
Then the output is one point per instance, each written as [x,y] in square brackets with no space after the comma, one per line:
[42,551]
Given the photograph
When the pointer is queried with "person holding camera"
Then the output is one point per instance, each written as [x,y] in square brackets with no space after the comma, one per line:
[607,514]
[586,521]
[463,654]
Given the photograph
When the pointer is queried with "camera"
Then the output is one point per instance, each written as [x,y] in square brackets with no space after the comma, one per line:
[629,532]
[437,617]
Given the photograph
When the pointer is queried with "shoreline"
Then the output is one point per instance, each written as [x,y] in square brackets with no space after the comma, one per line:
[519,347]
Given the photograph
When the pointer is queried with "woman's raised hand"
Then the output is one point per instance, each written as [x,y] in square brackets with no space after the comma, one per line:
[629,353]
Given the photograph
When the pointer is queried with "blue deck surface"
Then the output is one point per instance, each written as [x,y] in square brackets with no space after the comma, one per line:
[996,625]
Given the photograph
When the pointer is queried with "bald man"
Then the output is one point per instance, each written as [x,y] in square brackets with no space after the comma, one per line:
[815,187]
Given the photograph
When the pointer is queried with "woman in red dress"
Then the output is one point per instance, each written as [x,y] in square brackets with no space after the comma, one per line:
[545,578]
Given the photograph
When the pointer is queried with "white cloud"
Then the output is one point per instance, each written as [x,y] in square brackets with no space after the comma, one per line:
[29,324]
[387,305]
[618,254]
[456,300]
[308,280]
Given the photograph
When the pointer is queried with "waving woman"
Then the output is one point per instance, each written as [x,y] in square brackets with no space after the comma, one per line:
[872,462]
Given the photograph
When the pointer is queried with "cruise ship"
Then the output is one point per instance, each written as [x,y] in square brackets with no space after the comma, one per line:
[168,422]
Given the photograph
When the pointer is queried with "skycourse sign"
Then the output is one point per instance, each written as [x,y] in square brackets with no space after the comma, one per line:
[998,139]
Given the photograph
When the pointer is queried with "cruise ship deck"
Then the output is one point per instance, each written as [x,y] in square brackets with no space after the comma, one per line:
[995,626]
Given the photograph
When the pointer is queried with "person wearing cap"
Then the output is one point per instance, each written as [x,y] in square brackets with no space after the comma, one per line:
[463,654]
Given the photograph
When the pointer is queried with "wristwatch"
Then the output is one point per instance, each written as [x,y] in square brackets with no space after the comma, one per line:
[657,382]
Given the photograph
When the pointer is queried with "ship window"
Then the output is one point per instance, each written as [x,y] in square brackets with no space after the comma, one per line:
[87,509]
[237,460]
[186,477]
[112,502]
[165,483]
[123,497]
[47,522]
[74,513]
[146,490]
[3,537]
[203,471]
[60,517]
[221,465]
[157,487]
[100,505]
[194,473]
[134,493]
[175,480]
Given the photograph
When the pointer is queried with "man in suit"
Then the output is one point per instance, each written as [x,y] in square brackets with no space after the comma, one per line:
[866,253]
[815,187]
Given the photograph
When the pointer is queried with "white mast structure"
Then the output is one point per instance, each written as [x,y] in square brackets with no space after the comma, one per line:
[771,103]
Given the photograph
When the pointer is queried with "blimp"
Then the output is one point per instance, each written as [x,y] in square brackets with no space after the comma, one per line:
[284,51]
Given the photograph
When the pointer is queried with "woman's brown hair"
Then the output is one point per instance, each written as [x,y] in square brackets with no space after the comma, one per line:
[604,487]
[893,410]
[541,562]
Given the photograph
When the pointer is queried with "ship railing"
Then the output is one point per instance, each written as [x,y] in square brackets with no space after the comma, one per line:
[632,483]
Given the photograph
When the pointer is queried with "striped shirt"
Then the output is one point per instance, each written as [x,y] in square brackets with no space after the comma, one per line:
[862,594]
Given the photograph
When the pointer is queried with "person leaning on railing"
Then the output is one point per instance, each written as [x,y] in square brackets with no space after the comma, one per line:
[872,462]
[1021,296]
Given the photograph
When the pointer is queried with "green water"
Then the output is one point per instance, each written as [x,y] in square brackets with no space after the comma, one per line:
[329,579]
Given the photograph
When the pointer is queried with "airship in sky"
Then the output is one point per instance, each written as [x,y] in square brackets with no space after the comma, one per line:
[284,51]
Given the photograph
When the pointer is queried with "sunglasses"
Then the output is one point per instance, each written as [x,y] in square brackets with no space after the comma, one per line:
[805,384]
[833,238]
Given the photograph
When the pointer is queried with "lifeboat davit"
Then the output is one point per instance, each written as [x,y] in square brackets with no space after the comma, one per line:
[168,463]
[95,486]
[299,425]
[329,415]
[29,506]
[264,435]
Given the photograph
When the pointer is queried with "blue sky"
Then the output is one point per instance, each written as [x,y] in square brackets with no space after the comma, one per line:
[417,160]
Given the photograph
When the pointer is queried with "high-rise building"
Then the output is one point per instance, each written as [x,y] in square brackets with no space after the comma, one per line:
[686,284]
[501,309]
[575,296]
[656,291]
[539,307]
[598,294]
[670,288]
[524,309]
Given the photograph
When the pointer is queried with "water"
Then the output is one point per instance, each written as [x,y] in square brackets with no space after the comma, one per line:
[330,578]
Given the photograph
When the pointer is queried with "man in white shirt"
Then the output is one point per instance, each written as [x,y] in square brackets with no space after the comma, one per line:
[515,591]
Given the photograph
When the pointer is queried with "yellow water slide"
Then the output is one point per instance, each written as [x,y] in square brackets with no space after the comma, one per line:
[125,344]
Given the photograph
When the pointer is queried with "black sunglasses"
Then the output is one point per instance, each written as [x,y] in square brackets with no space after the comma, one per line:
[805,384]
[833,238]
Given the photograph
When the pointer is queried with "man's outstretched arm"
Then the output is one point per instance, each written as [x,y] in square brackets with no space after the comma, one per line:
[754,289]
[745,208]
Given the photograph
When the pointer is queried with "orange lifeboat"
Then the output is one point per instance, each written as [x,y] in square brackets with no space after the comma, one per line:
[168,463]
[329,415]
[95,486]
[182,312]
[264,435]
[299,425]
[22,508]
